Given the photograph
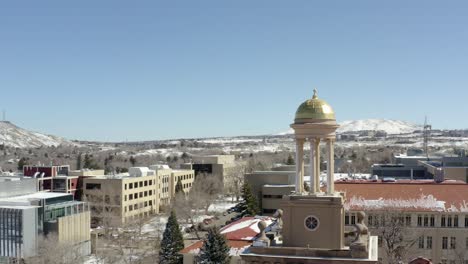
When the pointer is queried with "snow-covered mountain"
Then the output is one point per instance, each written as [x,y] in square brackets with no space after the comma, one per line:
[389,126]
[17,137]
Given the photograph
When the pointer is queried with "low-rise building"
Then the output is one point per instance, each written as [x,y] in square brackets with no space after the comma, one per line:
[116,199]
[213,165]
[26,215]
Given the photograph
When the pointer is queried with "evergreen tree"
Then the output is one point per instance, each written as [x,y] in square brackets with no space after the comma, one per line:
[133,161]
[250,203]
[179,188]
[290,160]
[215,249]
[21,163]
[172,242]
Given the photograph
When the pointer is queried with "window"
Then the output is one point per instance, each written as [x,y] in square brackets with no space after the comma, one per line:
[429,242]
[432,221]
[150,202]
[408,220]
[466,220]
[426,220]
[444,242]
[449,221]
[369,220]
[453,243]
[146,183]
[141,184]
[455,221]
[442,221]
[419,220]
[146,193]
[136,195]
[93,186]
[346,219]
[380,241]
[130,196]
[125,186]
[130,185]
[150,192]
[353,219]
[125,197]
[421,242]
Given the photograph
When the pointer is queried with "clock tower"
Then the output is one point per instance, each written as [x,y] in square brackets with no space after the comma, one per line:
[314,219]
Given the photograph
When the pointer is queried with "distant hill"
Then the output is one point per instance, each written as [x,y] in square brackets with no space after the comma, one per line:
[17,137]
[389,126]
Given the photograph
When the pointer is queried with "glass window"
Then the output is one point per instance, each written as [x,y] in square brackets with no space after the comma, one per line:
[421,242]
[453,243]
[408,220]
[449,221]
[353,219]
[443,221]
[444,242]
[455,221]
[429,242]
[432,220]
[426,220]
[346,219]
[419,220]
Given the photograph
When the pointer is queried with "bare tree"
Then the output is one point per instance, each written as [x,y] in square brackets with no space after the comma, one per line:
[234,179]
[52,251]
[398,239]
[135,242]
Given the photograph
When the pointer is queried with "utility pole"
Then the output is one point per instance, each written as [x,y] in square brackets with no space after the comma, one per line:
[426,135]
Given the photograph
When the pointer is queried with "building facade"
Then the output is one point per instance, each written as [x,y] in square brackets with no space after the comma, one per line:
[26,217]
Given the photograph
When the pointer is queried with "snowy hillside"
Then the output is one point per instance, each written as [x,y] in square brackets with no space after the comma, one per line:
[14,136]
[389,126]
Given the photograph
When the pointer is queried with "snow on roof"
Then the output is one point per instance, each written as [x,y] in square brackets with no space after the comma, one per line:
[407,195]
[239,234]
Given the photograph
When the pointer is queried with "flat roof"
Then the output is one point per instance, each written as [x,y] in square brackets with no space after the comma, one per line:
[36,195]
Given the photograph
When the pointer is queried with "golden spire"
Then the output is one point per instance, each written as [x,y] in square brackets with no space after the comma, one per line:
[315,94]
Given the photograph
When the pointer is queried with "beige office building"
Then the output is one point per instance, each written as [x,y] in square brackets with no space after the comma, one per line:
[115,199]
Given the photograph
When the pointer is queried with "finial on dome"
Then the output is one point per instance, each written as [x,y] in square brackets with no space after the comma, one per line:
[315,94]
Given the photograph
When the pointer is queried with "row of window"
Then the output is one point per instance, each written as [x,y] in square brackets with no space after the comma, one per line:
[140,195]
[445,242]
[140,184]
[138,205]
[184,177]
[422,220]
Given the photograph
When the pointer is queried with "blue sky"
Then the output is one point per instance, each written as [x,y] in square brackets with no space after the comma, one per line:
[136,70]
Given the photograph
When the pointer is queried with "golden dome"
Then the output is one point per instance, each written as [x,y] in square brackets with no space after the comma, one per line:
[314,109]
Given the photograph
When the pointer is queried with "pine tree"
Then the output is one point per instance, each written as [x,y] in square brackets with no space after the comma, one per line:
[179,188]
[133,161]
[215,249]
[172,242]
[21,163]
[250,203]
[290,160]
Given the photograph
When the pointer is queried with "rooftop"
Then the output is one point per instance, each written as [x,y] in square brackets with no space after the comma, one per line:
[240,235]
[407,195]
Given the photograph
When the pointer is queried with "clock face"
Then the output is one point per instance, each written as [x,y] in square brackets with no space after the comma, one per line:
[311,223]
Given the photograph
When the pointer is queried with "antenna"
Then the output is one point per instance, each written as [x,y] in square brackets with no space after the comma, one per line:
[426,135]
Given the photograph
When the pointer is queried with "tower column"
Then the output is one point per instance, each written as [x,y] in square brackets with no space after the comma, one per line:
[312,186]
[299,165]
[330,167]
[317,165]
